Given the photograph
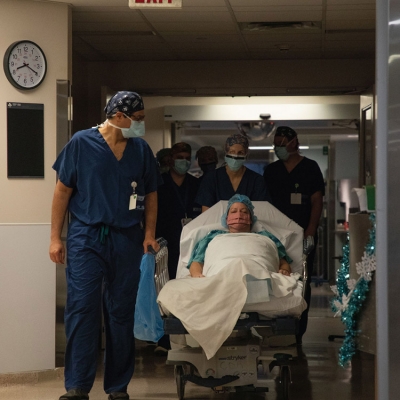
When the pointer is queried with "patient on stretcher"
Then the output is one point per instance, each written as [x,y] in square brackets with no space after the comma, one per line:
[242,271]
[238,218]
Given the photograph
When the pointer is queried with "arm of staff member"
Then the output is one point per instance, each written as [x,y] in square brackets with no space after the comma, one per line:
[61,197]
[150,219]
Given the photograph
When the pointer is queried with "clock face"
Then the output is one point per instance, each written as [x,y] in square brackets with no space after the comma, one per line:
[25,65]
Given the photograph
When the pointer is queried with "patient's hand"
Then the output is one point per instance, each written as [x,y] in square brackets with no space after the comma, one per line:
[284,267]
[196,270]
[197,276]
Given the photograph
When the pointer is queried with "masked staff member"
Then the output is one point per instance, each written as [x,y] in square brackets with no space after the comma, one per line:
[233,178]
[207,158]
[297,188]
[176,201]
[108,182]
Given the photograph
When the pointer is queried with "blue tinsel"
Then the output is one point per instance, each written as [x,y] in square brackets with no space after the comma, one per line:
[356,299]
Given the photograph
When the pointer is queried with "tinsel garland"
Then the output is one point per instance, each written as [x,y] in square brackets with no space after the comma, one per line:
[351,293]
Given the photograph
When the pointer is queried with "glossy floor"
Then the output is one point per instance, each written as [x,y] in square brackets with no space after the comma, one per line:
[316,375]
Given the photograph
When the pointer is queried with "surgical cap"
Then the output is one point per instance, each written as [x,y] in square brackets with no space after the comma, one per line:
[162,153]
[126,102]
[239,198]
[285,131]
[206,154]
[180,147]
[237,138]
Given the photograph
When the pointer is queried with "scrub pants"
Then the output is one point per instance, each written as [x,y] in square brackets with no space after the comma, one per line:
[101,261]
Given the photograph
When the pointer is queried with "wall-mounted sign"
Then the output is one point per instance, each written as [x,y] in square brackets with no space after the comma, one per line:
[155,3]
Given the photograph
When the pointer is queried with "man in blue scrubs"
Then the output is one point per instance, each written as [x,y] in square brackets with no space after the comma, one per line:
[108,182]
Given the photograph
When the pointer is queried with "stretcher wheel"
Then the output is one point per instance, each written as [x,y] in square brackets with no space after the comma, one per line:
[285,382]
[180,382]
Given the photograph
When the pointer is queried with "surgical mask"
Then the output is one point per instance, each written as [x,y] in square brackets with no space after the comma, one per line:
[182,166]
[136,129]
[234,162]
[281,153]
[208,167]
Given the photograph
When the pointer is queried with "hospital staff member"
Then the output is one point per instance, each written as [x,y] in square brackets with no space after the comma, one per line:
[108,182]
[176,201]
[233,178]
[297,188]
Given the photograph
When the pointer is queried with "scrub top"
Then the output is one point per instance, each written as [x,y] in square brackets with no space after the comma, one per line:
[174,204]
[216,186]
[101,183]
[305,179]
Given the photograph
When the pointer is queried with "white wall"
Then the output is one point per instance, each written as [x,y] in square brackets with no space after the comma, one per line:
[27,284]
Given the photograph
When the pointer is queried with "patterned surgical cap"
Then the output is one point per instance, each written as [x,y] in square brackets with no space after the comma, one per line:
[237,138]
[239,198]
[285,131]
[126,102]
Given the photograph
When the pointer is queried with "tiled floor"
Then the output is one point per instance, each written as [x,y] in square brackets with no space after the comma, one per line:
[316,375]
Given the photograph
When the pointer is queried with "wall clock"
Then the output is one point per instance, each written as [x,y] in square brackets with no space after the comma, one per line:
[25,65]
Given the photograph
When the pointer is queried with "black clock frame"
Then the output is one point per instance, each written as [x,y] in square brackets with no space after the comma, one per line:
[6,60]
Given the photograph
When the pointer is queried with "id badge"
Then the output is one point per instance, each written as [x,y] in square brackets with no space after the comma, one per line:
[132,201]
[295,198]
[185,221]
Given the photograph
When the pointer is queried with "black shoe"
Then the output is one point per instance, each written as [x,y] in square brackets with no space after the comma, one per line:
[118,396]
[75,394]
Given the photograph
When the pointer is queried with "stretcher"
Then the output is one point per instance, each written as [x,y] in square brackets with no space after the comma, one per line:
[260,340]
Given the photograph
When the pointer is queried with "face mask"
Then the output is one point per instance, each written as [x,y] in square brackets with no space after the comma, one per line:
[182,166]
[281,153]
[208,167]
[163,170]
[136,129]
[238,220]
[234,162]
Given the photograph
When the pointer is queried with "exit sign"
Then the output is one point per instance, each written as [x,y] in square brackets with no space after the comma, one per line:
[155,3]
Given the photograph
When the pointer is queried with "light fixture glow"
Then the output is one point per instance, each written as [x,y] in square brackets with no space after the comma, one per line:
[272,147]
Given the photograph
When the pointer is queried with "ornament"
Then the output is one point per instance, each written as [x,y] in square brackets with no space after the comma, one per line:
[350,294]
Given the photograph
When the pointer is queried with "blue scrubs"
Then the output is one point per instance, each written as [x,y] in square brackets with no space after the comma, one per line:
[217,186]
[104,251]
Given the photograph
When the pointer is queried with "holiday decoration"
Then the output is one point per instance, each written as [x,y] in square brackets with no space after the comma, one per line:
[350,294]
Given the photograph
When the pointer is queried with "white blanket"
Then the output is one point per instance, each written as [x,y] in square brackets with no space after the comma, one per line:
[240,270]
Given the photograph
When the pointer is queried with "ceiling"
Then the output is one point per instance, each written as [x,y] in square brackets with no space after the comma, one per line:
[108,30]
[105,30]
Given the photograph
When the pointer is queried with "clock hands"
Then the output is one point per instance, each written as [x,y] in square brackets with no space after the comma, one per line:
[27,65]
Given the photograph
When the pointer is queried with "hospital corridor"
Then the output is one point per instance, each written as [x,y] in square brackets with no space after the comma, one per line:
[199,199]
[316,375]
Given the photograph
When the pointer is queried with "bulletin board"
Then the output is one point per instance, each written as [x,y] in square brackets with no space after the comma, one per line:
[25,140]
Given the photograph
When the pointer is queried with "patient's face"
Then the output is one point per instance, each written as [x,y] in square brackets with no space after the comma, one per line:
[238,219]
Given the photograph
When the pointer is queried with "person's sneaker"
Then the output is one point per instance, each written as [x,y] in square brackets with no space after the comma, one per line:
[75,394]
[160,351]
[118,396]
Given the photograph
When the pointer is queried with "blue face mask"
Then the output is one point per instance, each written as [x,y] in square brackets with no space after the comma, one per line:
[182,166]
[234,162]
[136,129]
[281,153]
